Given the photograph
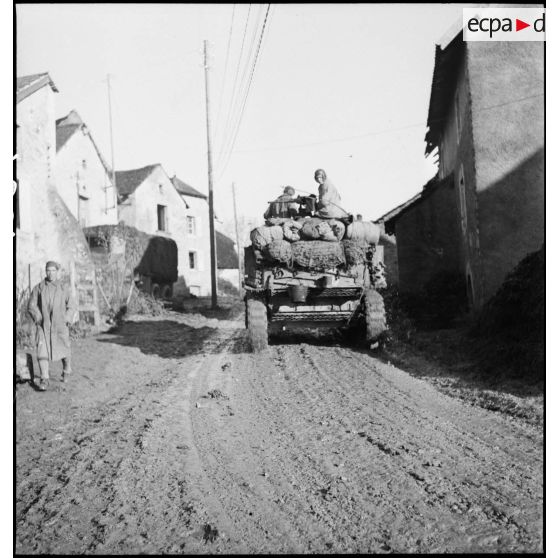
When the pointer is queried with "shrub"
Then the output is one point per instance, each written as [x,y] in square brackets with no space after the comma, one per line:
[400,325]
[24,323]
[510,329]
[226,288]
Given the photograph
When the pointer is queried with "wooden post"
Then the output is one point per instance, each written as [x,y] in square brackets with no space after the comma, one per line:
[213,245]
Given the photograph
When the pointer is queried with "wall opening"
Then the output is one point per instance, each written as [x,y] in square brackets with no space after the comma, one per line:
[193,260]
[83,211]
[162,218]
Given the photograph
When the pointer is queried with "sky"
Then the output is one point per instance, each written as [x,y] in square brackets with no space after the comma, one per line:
[336,86]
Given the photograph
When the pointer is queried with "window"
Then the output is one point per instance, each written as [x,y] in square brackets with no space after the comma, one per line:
[191,223]
[193,260]
[161,189]
[83,211]
[162,218]
[83,164]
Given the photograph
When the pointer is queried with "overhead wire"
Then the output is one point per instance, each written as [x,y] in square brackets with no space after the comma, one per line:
[217,122]
[240,94]
[254,64]
[229,112]
[379,132]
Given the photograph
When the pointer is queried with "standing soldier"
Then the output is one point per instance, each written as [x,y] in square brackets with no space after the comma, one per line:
[52,308]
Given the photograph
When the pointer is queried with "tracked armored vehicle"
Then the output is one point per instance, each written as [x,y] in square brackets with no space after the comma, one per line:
[285,296]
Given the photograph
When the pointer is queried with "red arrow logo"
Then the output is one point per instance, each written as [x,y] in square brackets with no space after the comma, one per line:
[519,25]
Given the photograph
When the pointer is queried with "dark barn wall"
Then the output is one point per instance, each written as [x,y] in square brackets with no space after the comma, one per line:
[507,80]
[428,239]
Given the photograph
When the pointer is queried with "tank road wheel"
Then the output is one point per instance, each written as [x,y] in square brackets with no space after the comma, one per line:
[375,315]
[167,291]
[256,322]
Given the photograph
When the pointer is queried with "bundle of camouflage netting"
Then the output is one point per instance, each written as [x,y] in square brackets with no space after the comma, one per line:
[279,250]
[337,227]
[318,255]
[355,251]
[316,229]
[291,230]
[277,221]
[262,236]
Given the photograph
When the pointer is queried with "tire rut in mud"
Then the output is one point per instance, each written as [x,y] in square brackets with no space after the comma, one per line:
[301,448]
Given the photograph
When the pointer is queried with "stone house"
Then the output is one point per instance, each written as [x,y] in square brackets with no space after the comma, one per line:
[149,201]
[484,210]
[198,270]
[83,178]
[45,228]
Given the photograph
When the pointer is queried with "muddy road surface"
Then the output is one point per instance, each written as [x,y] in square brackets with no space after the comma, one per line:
[171,437]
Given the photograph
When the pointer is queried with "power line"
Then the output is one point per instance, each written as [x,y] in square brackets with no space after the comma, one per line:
[379,132]
[247,91]
[225,73]
[240,94]
[229,113]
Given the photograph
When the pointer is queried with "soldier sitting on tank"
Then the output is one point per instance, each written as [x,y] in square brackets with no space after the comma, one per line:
[284,206]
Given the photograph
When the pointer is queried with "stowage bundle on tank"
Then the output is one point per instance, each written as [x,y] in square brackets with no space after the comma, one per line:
[363,230]
[355,251]
[318,254]
[279,250]
[262,236]
[291,230]
[317,229]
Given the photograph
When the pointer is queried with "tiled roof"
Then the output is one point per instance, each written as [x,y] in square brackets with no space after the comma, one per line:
[127,181]
[186,189]
[397,210]
[71,118]
[64,133]
[26,85]
[67,126]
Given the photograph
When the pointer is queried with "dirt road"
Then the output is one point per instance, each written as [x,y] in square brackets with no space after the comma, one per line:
[173,438]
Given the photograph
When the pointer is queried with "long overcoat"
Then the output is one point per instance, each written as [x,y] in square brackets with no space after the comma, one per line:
[52,334]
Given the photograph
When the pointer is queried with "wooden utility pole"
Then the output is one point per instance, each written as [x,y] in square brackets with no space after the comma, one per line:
[210,180]
[111,144]
[237,242]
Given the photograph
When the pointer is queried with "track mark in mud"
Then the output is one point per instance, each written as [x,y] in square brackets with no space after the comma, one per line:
[345,456]
[380,445]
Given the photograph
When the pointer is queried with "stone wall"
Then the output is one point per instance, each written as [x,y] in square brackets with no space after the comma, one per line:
[48,230]
[427,234]
[507,85]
